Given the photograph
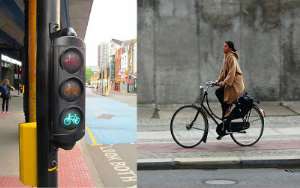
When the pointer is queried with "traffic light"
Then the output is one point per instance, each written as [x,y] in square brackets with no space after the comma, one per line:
[68,91]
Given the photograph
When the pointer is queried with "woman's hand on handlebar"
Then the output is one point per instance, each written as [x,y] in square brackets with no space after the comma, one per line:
[211,83]
[220,84]
[216,83]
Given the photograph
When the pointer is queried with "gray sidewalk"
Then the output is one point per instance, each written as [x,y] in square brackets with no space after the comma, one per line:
[9,140]
[279,146]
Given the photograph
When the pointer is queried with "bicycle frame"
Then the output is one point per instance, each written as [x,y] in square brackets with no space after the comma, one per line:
[207,109]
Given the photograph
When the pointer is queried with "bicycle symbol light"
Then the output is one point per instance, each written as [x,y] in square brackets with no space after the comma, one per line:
[72,119]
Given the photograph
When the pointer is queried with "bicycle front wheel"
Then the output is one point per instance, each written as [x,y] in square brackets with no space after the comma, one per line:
[189,126]
[251,135]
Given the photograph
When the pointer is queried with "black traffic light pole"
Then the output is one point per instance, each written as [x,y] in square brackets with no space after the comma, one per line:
[47,154]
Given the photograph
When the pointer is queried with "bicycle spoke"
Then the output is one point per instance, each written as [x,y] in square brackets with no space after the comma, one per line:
[240,132]
[258,119]
[198,128]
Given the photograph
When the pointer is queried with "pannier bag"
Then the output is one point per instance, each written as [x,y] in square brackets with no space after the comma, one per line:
[238,126]
[242,107]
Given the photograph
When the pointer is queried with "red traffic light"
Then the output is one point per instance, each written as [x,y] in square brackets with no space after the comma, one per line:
[71,60]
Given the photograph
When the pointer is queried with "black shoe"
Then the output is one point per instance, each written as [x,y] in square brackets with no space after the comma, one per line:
[220,137]
[221,131]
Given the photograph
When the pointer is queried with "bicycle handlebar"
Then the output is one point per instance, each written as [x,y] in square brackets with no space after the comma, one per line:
[208,85]
[211,83]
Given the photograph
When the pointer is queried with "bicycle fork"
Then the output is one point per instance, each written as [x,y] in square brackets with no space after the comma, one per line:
[205,131]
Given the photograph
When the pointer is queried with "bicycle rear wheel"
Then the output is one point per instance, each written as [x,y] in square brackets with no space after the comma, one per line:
[188,126]
[251,135]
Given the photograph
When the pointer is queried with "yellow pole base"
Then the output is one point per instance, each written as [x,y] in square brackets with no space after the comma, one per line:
[28,153]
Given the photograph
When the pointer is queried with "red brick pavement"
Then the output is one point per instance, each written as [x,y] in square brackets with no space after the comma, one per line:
[10,181]
[73,171]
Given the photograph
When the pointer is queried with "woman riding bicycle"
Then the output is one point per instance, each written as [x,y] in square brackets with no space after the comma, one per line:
[230,82]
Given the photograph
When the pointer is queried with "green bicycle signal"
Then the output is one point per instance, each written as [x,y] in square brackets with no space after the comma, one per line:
[72,119]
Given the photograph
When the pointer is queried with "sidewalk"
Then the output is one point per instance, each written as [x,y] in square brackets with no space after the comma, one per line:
[74,167]
[16,93]
[278,147]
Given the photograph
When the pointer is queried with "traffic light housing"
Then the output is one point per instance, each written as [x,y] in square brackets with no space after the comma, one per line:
[68,91]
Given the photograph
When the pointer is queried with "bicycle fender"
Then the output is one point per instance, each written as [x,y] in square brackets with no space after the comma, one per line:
[204,139]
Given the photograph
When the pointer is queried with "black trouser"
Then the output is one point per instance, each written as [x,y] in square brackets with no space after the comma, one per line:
[5,103]
[220,96]
[225,124]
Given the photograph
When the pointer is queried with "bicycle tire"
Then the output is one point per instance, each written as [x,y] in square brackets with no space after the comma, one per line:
[174,132]
[237,139]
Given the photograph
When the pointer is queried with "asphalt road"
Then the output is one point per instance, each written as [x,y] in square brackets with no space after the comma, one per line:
[233,178]
[112,165]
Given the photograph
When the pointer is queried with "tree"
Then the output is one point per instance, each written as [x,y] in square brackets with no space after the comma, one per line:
[88,74]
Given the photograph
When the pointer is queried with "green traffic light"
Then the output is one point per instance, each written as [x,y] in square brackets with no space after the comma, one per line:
[71,120]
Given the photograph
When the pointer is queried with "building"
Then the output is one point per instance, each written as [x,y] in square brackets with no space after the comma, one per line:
[114,46]
[117,70]
[126,67]
[103,55]
[104,66]
[132,67]
[118,67]
[95,76]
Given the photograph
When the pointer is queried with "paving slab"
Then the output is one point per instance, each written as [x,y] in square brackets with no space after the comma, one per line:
[293,106]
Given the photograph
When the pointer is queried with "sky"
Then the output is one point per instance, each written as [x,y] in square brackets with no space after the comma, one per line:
[109,19]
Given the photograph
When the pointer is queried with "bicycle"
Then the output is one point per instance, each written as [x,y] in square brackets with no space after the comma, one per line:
[189,124]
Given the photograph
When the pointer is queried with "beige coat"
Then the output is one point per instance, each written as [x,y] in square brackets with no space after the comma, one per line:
[231,77]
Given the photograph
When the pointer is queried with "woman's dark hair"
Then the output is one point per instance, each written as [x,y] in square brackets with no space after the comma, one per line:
[231,45]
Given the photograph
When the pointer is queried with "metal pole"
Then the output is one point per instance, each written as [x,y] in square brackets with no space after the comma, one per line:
[32,60]
[25,64]
[155,114]
[47,153]
[18,69]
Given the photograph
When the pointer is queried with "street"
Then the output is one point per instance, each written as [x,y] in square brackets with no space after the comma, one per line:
[112,165]
[233,178]
[108,145]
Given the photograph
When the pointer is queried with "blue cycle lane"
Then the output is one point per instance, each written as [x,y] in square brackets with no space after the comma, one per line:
[109,121]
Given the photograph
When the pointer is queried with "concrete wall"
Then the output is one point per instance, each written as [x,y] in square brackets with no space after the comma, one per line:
[180,46]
